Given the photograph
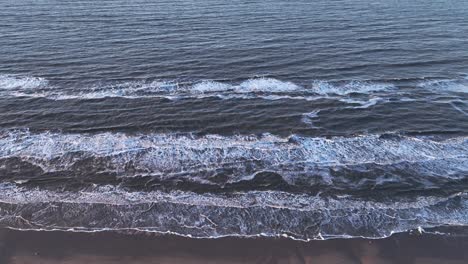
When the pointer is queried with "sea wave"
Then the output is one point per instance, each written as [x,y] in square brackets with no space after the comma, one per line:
[267,88]
[446,85]
[10,82]
[308,118]
[327,88]
[353,94]
[257,213]
[380,160]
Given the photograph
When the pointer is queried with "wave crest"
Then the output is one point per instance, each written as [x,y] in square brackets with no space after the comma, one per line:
[9,82]
[327,88]
[446,85]
[266,88]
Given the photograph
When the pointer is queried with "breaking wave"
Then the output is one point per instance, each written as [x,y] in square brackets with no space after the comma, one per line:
[267,88]
[10,82]
[356,163]
[446,85]
[256,213]
[356,94]
[327,88]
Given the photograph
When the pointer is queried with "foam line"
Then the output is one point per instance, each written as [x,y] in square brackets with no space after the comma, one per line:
[269,214]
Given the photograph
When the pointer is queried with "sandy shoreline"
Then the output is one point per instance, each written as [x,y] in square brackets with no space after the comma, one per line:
[107,247]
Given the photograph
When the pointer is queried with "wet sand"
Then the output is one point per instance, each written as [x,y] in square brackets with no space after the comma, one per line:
[108,247]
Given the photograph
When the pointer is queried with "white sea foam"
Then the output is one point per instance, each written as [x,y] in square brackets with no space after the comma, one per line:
[446,85]
[357,94]
[210,87]
[267,88]
[308,118]
[18,85]
[257,213]
[168,154]
[327,88]
[364,103]
[268,85]
[8,82]
[301,216]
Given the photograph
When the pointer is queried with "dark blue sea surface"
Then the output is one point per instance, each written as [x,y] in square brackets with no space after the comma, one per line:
[306,119]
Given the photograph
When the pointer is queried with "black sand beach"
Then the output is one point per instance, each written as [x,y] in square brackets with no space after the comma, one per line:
[106,247]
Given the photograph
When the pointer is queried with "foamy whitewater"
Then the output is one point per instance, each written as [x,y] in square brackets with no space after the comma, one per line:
[20,85]
[325,198]
[358,94]
[268,214]
[268,88]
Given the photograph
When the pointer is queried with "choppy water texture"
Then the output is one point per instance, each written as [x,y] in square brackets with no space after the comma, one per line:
[305,119]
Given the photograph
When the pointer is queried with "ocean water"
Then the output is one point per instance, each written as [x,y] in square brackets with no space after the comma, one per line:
[305,119]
